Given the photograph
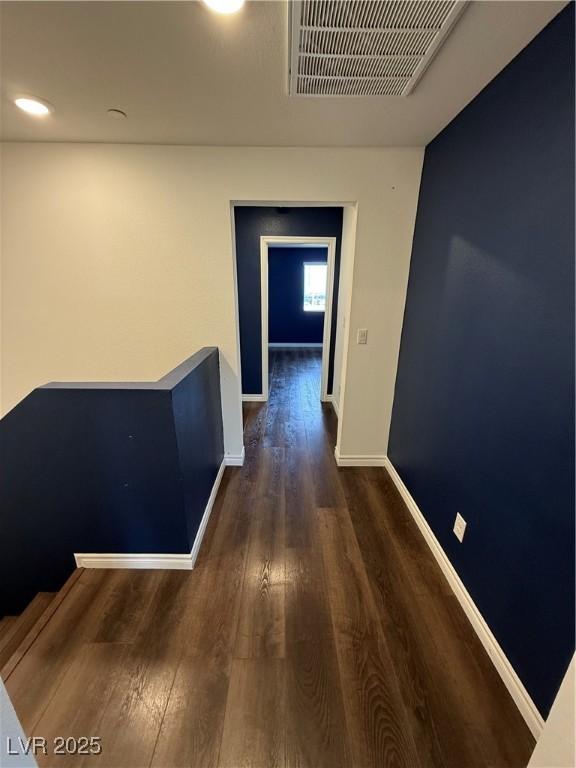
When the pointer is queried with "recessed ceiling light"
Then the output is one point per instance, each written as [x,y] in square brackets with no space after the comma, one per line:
[224,6]
[33,106]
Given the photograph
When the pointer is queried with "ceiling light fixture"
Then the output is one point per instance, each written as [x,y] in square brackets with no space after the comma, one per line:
[33,106]
[224,6]
[117,114]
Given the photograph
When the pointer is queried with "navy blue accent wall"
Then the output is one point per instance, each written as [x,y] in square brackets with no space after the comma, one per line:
[287,321]
[483,418]
[124,468]
[250,223]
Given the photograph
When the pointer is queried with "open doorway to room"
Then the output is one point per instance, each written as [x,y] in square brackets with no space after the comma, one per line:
[296,290]
[291,300]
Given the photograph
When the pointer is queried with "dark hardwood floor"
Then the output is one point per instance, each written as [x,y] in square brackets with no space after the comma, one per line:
[316,629]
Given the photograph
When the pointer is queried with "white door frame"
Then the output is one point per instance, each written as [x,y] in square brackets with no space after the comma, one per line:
[276,240]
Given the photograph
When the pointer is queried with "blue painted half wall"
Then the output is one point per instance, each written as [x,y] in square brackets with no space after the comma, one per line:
[251,222]
[483,418]
[110,467]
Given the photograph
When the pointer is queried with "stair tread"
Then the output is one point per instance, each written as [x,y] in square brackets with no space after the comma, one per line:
[30,631]
[19,627]
[6,625]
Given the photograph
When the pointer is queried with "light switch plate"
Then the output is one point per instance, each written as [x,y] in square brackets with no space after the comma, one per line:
[362,336]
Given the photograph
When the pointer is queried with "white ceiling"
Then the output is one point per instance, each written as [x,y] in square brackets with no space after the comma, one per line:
[187,76]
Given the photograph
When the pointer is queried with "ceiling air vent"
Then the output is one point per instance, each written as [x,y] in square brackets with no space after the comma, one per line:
[365,47]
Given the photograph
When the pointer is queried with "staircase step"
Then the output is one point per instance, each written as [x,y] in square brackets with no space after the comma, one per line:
[27,639]
[21,625]
[6,625]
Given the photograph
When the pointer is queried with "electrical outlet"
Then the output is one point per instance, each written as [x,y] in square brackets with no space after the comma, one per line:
[362,336]
[459,527]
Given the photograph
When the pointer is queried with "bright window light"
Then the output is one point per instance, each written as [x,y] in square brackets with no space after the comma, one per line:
[314,287]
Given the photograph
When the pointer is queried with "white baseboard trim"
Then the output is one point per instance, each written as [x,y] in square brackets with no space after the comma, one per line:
[528,709]
[349,460]
[335,405]
[253,399]
[206,516]
[180,562]
[235,460]
[294,345]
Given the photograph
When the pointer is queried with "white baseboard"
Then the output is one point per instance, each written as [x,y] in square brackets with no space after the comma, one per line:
[235,460]
[350,460]
[528,709]
[253,399]
[178,562]
[335,405]
[207,512]
[181,562]
[294,345]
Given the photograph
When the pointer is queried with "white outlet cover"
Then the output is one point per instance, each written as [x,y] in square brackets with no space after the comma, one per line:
[459,527]
[362,336]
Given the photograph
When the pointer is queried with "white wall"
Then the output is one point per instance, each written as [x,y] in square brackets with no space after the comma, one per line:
[556,747]
[12,737]
[117,263]
[1,322]
[344,300]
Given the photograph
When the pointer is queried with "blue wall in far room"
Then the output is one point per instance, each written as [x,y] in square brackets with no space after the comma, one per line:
[483,417]
[287,321]
[250,223]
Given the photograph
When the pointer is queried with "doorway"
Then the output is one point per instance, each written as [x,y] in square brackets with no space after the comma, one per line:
[312,299]
[332,227]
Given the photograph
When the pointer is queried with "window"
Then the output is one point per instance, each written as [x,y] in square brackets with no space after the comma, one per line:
[314,287]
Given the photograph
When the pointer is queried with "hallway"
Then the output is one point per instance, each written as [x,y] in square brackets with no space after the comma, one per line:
[316,629]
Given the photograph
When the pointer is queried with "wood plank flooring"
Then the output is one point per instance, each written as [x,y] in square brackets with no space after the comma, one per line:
[315,631]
